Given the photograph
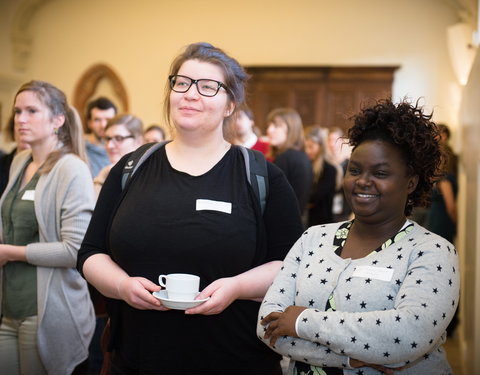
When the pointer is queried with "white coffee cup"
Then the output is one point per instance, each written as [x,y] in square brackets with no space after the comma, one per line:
[180,286]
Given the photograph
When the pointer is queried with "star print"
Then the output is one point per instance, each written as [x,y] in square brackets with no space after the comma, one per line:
[321,261]
[390,297]
[399,249]
[435,290]
[413,344]
[450,282]
[310,253]
[353,339]
[305,320]
[317,335]
[399,257]
[403,296]
[360,320]
[298,259]
[321,245]
[396,340]
[328,350]
[282,291]
[426,356]
[293,275]
[444,316]
[386,354]
[359,372]
[424,305]
[434,323]
[410,239]
[327,343]
[367,281]
[311,302]
[348,280]
[324,234]
[375,262]
[293,343]
[366,346]
[307,265]
[325,318]
[439,268]
[438,245]
[398,282]
[378,322]
[323,281]
[416,317]
[329,269]
[342,321]
[310,275]
[397,318]
[431,341]
[453,268]
[420,253]
[348,296]
[363,305]
[419,281]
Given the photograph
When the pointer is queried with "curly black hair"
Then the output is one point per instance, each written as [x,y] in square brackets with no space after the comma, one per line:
[406,126]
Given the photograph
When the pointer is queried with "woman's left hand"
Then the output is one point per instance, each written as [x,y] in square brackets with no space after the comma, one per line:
[281,323]
[222,293]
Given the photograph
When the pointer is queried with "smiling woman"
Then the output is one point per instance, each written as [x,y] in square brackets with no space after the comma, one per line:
[190,209]
[378,292]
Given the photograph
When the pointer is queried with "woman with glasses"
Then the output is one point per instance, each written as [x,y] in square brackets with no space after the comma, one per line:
[122,134]
[190,209]
[47,319]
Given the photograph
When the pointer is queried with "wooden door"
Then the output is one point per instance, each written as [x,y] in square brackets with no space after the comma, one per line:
[325,96]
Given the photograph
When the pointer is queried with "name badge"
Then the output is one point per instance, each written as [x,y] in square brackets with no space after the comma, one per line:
[209,205]
[378,273]
[29,195]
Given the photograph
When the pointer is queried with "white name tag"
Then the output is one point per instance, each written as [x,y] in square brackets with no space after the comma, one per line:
[29,195]
[206,204]
[378,273]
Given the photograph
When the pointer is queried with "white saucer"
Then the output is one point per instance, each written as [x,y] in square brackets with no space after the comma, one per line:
[177,305]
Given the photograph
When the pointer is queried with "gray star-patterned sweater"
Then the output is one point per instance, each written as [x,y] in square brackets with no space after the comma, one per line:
[392,307]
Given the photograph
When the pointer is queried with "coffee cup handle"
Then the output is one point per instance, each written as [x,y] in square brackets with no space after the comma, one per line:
[161,282]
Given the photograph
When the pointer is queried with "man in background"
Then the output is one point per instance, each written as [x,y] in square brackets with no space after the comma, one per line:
[98,112]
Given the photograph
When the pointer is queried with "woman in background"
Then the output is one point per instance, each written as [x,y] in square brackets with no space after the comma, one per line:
[47,317]
[326,177]
[154,133]
[285,133]
[123,134]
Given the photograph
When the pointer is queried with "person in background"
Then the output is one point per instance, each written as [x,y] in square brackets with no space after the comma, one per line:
[442,213]
[285,134]
[47,317]
[339,152]
[123,134]
[189,208]
[98,112]
[243,133]
[375,293]
[11,135]
[326,177]
[154,133]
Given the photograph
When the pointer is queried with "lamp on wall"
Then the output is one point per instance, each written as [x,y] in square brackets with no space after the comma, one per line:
[462,49]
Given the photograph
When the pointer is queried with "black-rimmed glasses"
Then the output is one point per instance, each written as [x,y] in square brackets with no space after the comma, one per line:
[205,87]
[117,138]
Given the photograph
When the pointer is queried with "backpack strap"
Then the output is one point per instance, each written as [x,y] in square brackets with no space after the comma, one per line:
[257,174]
[137,158]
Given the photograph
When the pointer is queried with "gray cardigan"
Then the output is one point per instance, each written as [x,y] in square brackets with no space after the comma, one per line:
[64,201]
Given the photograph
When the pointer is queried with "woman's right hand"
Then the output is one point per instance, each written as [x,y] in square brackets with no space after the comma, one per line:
[137,292]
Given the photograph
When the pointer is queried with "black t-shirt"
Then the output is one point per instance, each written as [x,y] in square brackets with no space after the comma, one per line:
[159,228]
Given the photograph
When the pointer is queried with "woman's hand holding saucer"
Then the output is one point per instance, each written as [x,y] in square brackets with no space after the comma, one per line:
[137,292]
[222,293]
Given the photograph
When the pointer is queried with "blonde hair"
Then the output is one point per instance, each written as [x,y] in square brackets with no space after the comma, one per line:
[70,135]
[295,138]
[319,135]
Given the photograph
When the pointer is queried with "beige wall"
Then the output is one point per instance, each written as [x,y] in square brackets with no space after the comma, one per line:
[470,160]
[138,41]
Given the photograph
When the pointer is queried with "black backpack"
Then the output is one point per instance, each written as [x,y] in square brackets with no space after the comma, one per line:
[255,166]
